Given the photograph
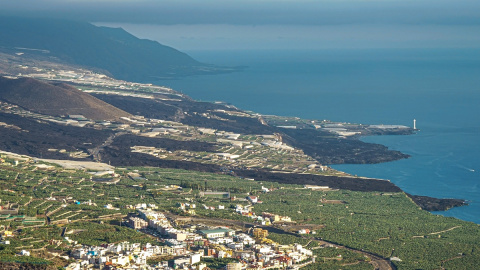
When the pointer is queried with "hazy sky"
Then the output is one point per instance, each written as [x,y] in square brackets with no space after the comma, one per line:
[268,24]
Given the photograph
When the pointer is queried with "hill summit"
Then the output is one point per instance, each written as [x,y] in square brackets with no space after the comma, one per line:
[55,99]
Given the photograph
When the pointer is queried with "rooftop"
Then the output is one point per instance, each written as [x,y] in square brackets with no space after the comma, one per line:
[219,230]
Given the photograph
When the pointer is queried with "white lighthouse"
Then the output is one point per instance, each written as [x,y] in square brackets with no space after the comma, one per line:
[414,124]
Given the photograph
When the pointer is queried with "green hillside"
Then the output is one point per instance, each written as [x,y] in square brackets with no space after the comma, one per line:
[113,50]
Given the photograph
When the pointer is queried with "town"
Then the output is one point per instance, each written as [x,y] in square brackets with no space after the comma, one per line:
[187,245]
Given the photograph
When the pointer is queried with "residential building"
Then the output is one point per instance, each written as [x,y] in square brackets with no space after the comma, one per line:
[234,266]
[137,223]
[260,233]
[217,233]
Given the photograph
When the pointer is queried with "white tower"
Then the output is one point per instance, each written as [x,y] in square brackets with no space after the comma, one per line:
[414,124]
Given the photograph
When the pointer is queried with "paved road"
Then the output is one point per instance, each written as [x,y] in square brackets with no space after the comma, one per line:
[375,260]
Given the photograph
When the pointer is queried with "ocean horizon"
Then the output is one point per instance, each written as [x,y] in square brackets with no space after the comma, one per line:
[439,88]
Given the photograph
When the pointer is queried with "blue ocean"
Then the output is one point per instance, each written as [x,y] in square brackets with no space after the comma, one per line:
[439,88]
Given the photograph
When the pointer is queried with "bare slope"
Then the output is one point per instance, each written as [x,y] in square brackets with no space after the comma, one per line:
[55,100]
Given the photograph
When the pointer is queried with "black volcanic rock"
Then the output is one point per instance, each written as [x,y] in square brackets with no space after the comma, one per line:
[435,204]
[189,112]
[110,49]
[336,182]
[35,138]
[120,155]
[165,143]
[321,145]
[55,100]
[329,149]
[147,107]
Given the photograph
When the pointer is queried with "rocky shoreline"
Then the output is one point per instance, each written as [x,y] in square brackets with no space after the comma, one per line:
[318,141]
[435,204]
[120,157]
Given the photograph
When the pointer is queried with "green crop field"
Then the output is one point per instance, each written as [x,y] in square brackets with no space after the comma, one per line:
[389,225]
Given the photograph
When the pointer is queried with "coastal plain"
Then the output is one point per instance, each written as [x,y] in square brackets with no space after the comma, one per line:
[160,148]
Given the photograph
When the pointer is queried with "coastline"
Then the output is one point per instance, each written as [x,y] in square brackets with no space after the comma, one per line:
[435,204]
[370,153]
[326,147]
[304,84]
[332,149]
[433,177]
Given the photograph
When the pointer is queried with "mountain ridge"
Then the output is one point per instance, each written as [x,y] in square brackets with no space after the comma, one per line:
[114,50]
